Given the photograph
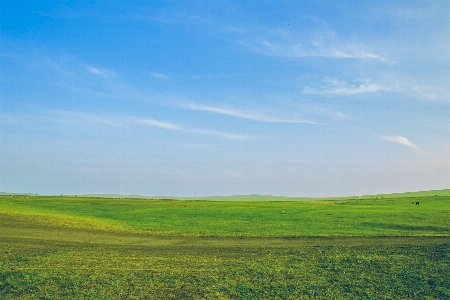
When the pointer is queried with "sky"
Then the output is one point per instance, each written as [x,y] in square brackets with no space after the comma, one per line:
[200,98]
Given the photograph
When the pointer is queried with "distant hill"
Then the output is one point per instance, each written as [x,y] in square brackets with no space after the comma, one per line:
[253,197]
[256,197]
[445,192]
[16,194]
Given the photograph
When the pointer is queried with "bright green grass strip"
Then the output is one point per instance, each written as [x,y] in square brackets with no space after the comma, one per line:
[380,217]
[32,212]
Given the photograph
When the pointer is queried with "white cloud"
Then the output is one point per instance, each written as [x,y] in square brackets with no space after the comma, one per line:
[82,119]
[159,75]
[154,123]
[102,72]
[400,140]
[321,43]
[71,117]
[340,115]
[249,116]
[230,136]
[297,50]
[340,88]
[170,126]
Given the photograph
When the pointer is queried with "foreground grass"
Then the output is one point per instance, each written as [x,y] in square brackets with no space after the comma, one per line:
[91,248]
[32,269]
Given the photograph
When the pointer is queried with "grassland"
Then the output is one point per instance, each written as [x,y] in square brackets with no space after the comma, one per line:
[376,247]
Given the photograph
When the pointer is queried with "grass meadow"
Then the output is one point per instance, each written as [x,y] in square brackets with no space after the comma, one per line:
[373,247]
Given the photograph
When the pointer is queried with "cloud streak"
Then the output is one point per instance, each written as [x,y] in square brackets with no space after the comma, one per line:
[102,72]
[248,116]
[400,140]
[67,116]
[298,50]
[340,88]
[318,41]
[154,123]
[159,75]
[230,136]
[170,126]
[72,117]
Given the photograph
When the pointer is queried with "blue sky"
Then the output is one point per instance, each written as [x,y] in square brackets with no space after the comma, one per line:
[184,98]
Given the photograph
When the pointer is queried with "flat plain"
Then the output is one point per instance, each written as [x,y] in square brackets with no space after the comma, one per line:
[252,247]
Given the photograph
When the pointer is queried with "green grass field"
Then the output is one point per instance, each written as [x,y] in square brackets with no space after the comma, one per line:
[373,247]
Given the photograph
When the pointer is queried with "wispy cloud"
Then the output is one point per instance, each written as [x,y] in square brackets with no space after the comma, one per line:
[225,135]
[154,123]
[400,140]
[334,87]
[171,126]
[340,115]
[68,74]
[249,116]
[159,75]
[73,117]
[321,41]
[333,49]
[67,116]
[299,50]
[103,82]
[102,71]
